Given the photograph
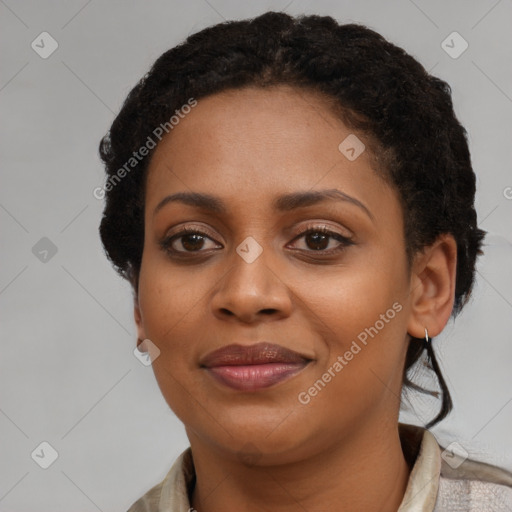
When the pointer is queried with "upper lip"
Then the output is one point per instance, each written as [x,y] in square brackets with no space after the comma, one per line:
[259,353]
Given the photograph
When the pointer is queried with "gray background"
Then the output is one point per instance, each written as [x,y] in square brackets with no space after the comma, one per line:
[68,375]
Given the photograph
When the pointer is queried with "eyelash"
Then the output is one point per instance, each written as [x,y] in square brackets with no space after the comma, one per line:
[166,243]
[343,240]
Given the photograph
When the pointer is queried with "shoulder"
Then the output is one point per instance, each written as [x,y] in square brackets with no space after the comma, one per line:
[443,481]
[474,486]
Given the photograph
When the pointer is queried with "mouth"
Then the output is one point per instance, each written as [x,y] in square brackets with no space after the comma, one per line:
[254,367]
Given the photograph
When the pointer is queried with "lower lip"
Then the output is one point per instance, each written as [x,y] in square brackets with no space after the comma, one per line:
[255,376]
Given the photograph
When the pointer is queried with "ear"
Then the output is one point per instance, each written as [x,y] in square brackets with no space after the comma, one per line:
[433,287]
[141,333]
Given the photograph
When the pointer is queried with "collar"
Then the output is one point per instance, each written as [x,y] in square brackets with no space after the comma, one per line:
[423,454]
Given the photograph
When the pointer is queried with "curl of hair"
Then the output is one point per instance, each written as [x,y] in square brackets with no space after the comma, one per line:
[378,90]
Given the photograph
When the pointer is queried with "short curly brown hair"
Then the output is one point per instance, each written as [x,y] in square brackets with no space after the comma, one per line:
[376,88]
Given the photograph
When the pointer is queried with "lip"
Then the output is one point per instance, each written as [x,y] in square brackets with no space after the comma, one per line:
[253,367]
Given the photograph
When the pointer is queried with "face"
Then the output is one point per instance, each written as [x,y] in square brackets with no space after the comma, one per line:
[273,257]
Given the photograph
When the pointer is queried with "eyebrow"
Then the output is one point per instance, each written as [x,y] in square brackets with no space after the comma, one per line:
[283,203]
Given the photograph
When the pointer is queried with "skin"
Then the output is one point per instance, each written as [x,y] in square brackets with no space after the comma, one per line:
[265,450]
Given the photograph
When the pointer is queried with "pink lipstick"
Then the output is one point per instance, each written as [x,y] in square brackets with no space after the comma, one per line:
[254,367]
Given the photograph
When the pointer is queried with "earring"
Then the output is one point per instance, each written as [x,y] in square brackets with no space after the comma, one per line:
[427,339]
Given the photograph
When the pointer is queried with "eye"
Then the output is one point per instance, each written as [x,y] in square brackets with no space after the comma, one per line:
[188,240]
[320,239]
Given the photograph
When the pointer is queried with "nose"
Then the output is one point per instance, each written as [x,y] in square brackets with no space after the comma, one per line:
[251,292]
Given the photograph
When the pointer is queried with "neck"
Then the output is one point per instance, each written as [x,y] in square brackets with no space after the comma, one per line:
[366,472]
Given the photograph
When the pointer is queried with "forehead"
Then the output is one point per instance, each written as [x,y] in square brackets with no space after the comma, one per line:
[254,143]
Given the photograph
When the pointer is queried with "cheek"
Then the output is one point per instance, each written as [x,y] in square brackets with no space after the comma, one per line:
[362,314]
[354,297]
[170,300]
[170,304]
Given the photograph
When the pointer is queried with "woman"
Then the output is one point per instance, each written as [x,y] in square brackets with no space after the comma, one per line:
[293,203]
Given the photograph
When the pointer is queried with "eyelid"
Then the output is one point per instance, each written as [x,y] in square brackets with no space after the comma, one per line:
[342,240]
[182,230]
[187,227]
[322,225]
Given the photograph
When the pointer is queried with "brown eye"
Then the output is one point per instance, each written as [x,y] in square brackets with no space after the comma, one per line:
[323,240]
[188,241]
[192,242]
[317,241]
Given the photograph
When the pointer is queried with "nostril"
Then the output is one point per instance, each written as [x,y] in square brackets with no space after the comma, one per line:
[269,311]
